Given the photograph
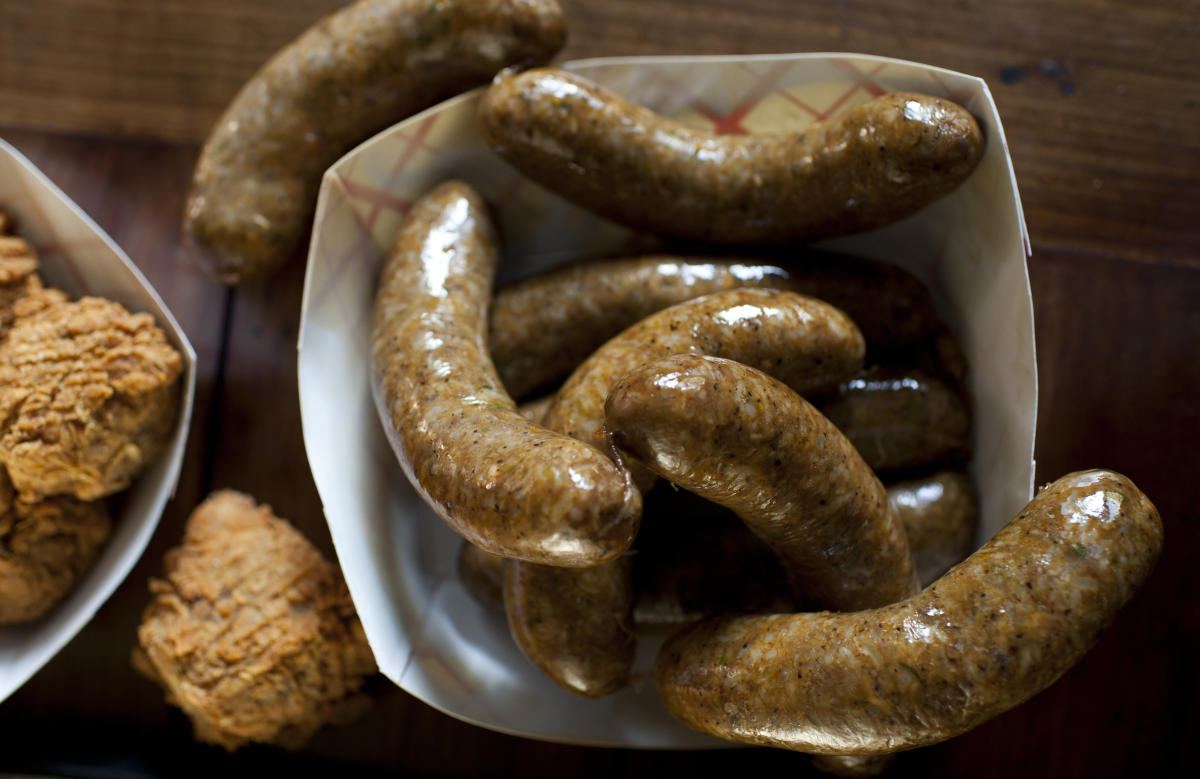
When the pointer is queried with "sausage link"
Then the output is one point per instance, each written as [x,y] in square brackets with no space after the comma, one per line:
[939,514]
[692,561]
[507,485]
[347,77]
[738,437]
[804,342]
[804,339]
[992,632]
[872,165]
[575,624]
[544,326]
[901,418]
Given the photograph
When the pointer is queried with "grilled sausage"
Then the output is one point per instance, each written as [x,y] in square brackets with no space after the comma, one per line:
[544,326]
[349,76]
[872,165]
[739,438]
[505,484]
[992,632]
[901,418]
[939,514]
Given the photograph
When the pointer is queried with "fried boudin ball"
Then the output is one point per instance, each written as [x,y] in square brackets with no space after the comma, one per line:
[44,548]
[88,395]
[252,633]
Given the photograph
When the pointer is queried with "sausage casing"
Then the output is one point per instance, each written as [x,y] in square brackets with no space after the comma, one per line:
[900,418]
[874,164]
[507,485]
[995,630]
[742,439]
[543,326]
[347,77]
[804,342]
[939,514]
[575,624]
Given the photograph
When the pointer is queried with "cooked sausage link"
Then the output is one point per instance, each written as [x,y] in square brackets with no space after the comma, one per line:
[874,164]
[544,326]
[995,630]
[901,418]
[347,77]
[806,343]
[939,514]
[739,438]
[575,624]
[505,484]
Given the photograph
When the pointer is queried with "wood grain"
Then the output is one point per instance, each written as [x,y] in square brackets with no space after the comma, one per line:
[1102,114]
[1102,124]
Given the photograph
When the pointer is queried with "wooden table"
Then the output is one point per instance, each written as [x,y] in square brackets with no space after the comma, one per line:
[1099,102]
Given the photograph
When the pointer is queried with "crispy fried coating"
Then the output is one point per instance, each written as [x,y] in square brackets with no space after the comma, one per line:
[88,395]
[44,548]
[252,633]
[18,276]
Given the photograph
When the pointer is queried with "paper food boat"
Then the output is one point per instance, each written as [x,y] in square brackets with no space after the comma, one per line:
[428,635]
[78,257]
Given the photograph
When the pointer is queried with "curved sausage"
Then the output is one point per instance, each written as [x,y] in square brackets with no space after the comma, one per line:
[804,342]
[740,438]
[544,326]
[874,164]
[995,630]
[575,624]
[939,514]
[505,484]
[347,77]
[899,418]
[811,343]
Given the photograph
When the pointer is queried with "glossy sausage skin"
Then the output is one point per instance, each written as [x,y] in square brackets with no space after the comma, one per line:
[808,341]
[347,77]
[995,630]
[872,165]
[805,343]
[544,326]
[899,418]
[504,483]
[738,437]
[575,624]
[939,513]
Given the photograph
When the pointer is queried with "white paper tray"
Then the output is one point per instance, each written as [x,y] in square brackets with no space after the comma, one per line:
[79,258]
[429,636]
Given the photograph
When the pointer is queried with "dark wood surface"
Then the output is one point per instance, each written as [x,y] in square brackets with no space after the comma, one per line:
[1099,104]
